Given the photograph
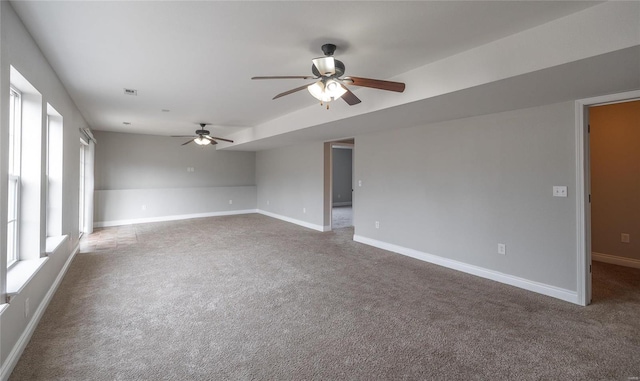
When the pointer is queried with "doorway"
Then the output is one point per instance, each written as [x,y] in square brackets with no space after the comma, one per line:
[588,238]
[340,191]
[614,157]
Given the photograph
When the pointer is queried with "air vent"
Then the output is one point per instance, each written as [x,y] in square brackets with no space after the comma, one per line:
[126,123]
[131,92]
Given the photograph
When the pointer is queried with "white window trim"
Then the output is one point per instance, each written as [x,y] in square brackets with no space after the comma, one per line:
[14,180]
[82,185]
[14,257]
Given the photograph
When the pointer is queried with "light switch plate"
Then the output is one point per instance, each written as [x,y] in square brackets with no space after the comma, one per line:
[559,191]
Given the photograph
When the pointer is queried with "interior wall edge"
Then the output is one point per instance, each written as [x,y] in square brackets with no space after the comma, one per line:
[102,224]
[583,218]
[15,353]
[305,224]
[148,205]
[615,260]
[526,284]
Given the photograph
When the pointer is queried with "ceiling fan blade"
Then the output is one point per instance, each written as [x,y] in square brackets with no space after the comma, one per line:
[216,138]
[325,65]
[350,97]
[183,136]
[376,83]
[189,141]
[210,139]
[285,77]
[292,91]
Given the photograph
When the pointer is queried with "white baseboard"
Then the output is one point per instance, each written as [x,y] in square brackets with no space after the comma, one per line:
[342,203]
[305,224]
[103,224]
[614,259]
[21,344]
[541,288]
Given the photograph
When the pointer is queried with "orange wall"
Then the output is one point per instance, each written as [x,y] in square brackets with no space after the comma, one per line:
[615,178]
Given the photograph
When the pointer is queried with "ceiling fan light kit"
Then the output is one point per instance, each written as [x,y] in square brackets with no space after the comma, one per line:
[201,140]
[326,90]
[329,85]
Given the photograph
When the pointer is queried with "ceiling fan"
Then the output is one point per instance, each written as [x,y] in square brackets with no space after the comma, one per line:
[202,137]
[329,86]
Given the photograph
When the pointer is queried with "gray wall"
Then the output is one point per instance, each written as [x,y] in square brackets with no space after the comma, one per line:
[291,179]
[133,161]
[457,189]
[140,177]
[19,49]
[342,175]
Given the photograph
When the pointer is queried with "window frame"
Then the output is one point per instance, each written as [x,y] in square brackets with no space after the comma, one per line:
[14,179]
[81,190]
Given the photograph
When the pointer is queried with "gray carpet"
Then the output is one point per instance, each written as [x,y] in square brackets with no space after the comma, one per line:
[252,298]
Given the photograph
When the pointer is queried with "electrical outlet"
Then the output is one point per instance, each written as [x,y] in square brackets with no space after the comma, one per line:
[625,238]
[304,210]
[338,195]
[359,183]
[230,202]
[559,191]
[144,207]
[268,202]
[502,249]
[26,308]
[377,224]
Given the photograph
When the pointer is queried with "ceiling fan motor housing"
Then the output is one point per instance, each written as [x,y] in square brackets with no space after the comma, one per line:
[202,132]
[328,49]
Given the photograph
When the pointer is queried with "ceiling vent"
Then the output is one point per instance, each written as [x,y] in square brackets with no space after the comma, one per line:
[131,92]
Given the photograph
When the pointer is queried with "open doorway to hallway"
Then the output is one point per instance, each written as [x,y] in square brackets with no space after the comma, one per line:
[614,172]
[342,184]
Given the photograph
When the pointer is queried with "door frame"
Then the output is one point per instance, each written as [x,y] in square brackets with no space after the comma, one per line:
[583,187]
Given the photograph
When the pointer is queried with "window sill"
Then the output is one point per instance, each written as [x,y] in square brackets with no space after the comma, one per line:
[53,243]
[20,274]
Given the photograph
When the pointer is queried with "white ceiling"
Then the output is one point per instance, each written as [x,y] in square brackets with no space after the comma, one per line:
[196,58]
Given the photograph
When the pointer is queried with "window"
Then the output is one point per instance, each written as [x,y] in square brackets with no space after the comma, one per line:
[25,171]
[47,174]
[81,198]
[53,173]
[13,207]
